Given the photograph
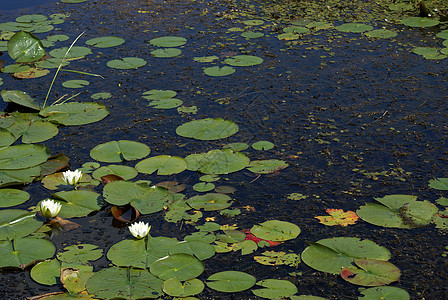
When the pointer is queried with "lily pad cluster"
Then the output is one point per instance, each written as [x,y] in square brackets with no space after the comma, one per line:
[167,46]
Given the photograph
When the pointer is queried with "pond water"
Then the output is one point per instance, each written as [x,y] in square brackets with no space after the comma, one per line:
[356,118]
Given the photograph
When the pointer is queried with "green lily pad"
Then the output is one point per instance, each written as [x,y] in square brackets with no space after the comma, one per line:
[263,145]
[97,96]
[401,211]
[230,281]
[429,52]
[124,172]
[236,146]
[22,252]
[118,151]
[275,289]
[75,113]
[46,272]
[128,283]
[20,98]
[159,94]
[11,177]
[381,33]
[25,47]
[140,253]
[210,201]
[253,22]
[354,27]
[252,34]
[12,197]
[168,41]
[58,38]
[217,161]
[439,184]
[272,258]
[199,249]
[78,203]
[371,272]
[6,138]
[384,293]
[203,187]
[330,255]
[266,166]
[419,22]
[15,68]
[231,236]
[442,201]
[16,223]
[144,198]
[75,84]
[274,230]
[23,156]
[166,103]
[163,164]
[105,41]
[126,63]
[217,71]
[76,52]
[207,129]
[243,60]
[205,59]
[31,18]
[181,266]
[174,287]
[55,181]
[80,254]
[33,131]
[166,52]
[296,29]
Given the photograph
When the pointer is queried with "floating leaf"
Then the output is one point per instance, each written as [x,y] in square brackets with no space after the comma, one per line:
[76,52]
[144,198]
[381,33]
[260,242]
[166,103]
[33,131]
[354,27]
[253,22]
[75,84]
[128,283]
[46,272]
[266,166]
[117,151]
[296,29]
[384,293]
[205,59]
[272,258]
[166,52]
[22,252]
[180,266]
[277,231]
[371,272]
[275,289]
[57,38]
[125,172]
[231,236]
[236,146]
[20,98]
[419,22]
[23,156]
[439,184]
[25,47]
[252,34]
[429,52]
[207,129]
[338,217]
[80,254]
[11,177]
[174,287]
[97,96]
[330,255]
[217,162]
[199,249]
[32,73]
[230,281]
[56,182]
[217,71]
[163,164]
[203,187]
[78,203]
[262,145]
[168,41]
[105,41]
[12,197]
[159,94]
[210,201]
[243,60]
[126,63]
[16,223]
[31,18]
[74,113]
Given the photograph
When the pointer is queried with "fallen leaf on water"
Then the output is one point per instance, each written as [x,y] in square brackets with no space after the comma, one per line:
[338,217]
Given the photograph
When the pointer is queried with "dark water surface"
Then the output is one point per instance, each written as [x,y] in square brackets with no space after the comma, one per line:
[333,104]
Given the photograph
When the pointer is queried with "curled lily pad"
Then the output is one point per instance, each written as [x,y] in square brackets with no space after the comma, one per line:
[117,151]
[163,164]
[230,281]
[25,47]
[208,129]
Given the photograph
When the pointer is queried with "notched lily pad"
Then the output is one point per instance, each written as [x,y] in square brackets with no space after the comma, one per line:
[208,129]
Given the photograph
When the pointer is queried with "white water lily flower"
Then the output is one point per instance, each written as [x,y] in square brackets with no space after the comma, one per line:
[72,177]
[139,229]
[50,208]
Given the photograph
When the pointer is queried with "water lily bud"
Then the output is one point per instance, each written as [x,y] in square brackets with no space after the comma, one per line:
[72,177]
[139,229]
[50,208]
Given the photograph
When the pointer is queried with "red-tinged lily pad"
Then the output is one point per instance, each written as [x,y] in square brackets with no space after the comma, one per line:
[32,73]
[371,272]
[338,217]
[125,214]
[110,178]
[251,237]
